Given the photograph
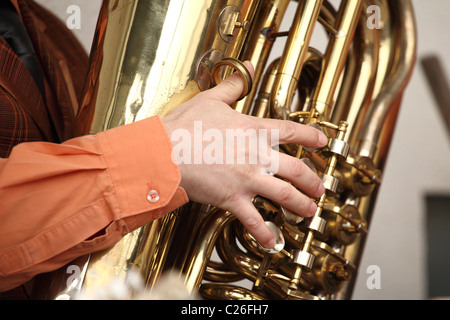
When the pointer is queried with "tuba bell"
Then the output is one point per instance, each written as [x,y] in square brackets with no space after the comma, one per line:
[148,57]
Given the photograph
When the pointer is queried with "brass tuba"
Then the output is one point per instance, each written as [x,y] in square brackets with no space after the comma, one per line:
[150,56]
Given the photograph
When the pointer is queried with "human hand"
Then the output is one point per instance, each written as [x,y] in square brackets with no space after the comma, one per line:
[215,173]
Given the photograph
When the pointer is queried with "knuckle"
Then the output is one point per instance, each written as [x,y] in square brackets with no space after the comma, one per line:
[316,136]
[249,123]
[231,198]
[252,223]
[248,172]
[307,205]
[297,168]
[285,193]
[202,96]
[289,130]
[317,183]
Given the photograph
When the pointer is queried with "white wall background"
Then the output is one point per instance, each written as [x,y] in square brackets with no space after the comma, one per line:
[418,162]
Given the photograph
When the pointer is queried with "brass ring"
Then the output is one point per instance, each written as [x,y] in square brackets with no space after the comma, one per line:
[239,67]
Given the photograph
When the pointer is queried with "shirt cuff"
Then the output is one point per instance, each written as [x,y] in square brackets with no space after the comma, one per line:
[133,181]
[143,175]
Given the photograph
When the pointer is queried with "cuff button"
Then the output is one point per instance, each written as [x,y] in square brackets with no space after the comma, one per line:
[153,196]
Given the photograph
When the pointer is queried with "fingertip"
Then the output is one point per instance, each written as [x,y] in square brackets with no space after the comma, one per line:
[263,235]
[249,67]
[323,139]
[312,209]
[269,244]
[254,223]
[320,190]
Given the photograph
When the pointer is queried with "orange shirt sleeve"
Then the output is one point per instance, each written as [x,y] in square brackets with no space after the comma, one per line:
[61,201]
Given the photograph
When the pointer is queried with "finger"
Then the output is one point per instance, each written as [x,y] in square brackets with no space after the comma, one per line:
[285,194]
[300,175]
[249,67]
[231,88]
[292,132]
[253,222]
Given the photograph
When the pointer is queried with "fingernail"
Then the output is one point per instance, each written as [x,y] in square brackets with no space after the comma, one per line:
[323,140]
[313,209]
[320,190]
[270,244]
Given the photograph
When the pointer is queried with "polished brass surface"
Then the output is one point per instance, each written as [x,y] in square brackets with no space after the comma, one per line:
[149,56]
[235,65]
[293,57]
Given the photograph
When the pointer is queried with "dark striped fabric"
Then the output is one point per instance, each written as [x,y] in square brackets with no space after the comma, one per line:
[26,115]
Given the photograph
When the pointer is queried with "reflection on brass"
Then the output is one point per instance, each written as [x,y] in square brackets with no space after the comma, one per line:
[205,66]
[229,22]
[149,56]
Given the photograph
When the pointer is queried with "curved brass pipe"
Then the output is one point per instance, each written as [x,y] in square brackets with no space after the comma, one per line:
[230,253]
[259,45]
[293,57]
[396,81]
[222,291]
[219,272]
[335,58]
[243,263]
[207,236]
[398,54]
[261,108]
[359,78]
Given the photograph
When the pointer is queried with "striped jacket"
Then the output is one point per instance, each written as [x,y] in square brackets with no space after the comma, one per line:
[25,114]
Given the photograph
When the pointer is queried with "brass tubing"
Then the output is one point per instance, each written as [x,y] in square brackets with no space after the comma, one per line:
[398,78]
[261,107]
[387,45]
[359,78]
[334,62]
[207,236]
[243,263]
[307,242]
[322,102]
[336,57]
[259,45]
[385,107]
[229,252]
[227,292]
[293,57]
[219,272]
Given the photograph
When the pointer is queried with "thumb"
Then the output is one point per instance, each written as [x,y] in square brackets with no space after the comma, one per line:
[231,89]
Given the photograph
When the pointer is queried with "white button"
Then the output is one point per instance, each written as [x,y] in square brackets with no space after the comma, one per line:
[153,196]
